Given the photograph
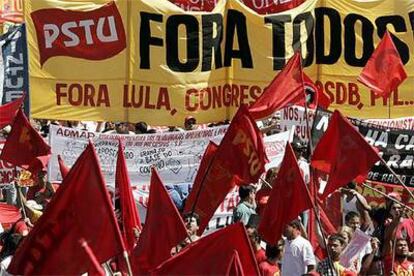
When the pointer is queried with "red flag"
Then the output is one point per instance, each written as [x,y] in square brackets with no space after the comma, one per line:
[200,177]
[288,199]
[218,182]
[9,213]
[96,267]
[240,158]
[25,147]
[8,111]
[125,201]
[81,208]
[320,99]
[343,153]
[242,149]
[384,71]
[286,88]
[235,267]
[62,167]
[163,229]
[213,255]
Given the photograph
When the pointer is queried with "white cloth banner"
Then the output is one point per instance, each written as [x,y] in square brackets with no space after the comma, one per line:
[176,155]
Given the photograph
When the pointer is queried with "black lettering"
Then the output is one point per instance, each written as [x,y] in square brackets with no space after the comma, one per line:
[211,43]
[309,22]
[236,22]
[278,34]
[172,49]
[399,25]
[411,16]
[334,36]
[145,38]
[350,40]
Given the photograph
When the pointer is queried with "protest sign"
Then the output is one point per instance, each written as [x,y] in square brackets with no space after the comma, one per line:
[357,244]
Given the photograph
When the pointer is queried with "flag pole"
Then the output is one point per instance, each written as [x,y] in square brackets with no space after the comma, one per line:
[394,245]
[126,257]
[108,267]
[397,177]
[387,196]
[265,182]
[315,210]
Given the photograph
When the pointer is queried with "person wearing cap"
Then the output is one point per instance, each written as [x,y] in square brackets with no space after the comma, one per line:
[190,123]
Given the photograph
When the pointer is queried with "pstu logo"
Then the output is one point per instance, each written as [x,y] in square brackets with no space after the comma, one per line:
[96,35]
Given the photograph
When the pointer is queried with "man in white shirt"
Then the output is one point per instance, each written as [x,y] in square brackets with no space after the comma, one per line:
[298,255]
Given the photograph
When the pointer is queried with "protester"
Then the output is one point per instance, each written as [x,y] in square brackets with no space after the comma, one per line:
[355,202]
[298,257]
[247,205]
[270,266]
[254,238]
[336,244]
[372,263]
[401,265]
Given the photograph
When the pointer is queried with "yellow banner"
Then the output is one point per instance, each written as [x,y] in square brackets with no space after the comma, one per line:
[148,60]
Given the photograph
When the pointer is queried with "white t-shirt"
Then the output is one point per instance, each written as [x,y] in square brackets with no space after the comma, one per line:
[297,256]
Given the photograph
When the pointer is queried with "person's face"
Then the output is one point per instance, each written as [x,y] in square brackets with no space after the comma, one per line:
[354,223]
[401,248]
[345,235]
[335,248]
[122,128]
[252,237]
[396,210]
[191,225]
[289,231]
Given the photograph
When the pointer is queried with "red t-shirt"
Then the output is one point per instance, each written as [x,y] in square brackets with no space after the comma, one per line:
[260,256]
[268,269]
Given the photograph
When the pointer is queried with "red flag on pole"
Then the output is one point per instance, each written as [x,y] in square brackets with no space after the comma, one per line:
[239,159]
[81,208]
[286,88]
[96,267]
[384,71]
[9,110]
[163,229]
[62,167]
[242,150]
[288,199]
[125,201]
[203,201]
[343,153]
[25,147]
[214,255]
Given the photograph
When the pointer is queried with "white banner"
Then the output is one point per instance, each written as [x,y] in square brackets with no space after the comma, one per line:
[176,155]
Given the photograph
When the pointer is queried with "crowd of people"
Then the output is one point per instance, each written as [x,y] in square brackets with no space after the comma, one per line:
[390,227]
